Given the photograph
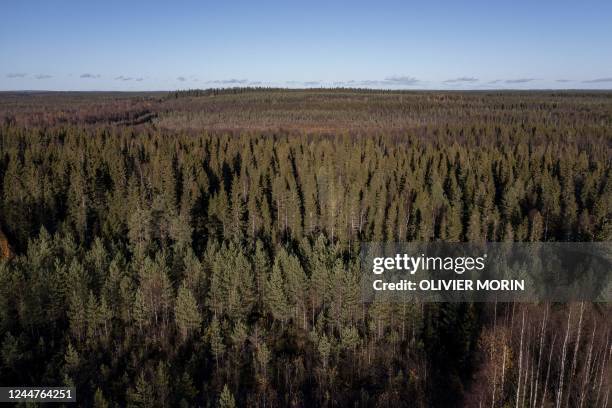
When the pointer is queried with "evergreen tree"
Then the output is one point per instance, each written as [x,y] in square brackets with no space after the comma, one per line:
[276,301]
[226,399]
[186,313]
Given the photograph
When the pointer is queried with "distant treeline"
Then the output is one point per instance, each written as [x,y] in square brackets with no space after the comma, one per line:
[315,111]
[236,90]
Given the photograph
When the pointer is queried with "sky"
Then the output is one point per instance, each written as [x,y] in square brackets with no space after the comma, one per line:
[165,45]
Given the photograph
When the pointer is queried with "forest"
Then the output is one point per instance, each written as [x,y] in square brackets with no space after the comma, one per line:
[201,247]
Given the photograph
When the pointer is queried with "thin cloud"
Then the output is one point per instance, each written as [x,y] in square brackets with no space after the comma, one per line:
[90,76]
[312,83]
[519,80]
[460,79]
[353,83]
[344,83]
[138,79]
[495,81]
[181,78]
[231,81]
[123,78]
[597,80]
[371,82]
[402,80]
[43,76]
[388,82]
[563,80]
[16,75]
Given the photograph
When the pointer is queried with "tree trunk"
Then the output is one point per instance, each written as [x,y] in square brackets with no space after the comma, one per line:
[563,353]
[518,385]
[535,396]
[576,346]
[552,347]
[587,370]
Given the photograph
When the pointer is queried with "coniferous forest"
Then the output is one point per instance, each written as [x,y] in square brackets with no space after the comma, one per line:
[201,248]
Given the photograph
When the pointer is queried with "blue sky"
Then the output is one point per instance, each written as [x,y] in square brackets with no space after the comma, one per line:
[150,45]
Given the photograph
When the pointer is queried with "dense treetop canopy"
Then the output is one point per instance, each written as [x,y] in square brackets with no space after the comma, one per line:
[202,247]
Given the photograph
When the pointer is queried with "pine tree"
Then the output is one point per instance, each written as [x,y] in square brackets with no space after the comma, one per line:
[320,283]
[454,227]
[93,318]
[276,301]
[295,283]
[140,311]
[349,338]
[77,316]
[99,400]
[215,339]
[237,210]
[139,231]
[72,362]
[474,231]
[324,349]
[142,393]
[161,385]
[186,313]
[78,201]
[261,265]
[226,399]
[536,226]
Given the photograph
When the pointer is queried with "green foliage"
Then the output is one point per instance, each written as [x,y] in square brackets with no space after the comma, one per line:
[226,399]
[186,313]
[201,248]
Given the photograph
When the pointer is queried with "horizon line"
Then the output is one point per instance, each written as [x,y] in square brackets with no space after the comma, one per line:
[263,88]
